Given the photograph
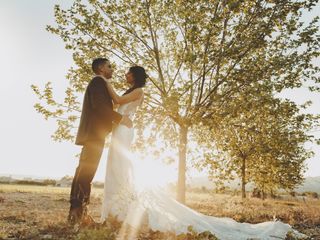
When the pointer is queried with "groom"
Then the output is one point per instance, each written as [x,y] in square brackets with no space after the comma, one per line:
[96,122]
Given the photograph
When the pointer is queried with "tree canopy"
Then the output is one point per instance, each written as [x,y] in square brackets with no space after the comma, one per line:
[200,56]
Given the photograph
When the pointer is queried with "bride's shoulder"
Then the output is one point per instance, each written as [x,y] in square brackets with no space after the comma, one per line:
[138,92]
[139,89]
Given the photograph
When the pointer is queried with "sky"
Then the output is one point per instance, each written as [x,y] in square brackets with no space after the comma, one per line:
[31,55]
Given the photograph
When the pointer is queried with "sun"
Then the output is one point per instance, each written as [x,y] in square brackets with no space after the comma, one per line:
[150,173]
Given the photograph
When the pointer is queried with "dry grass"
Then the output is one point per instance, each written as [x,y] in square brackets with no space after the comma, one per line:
[302,214]
[37,212]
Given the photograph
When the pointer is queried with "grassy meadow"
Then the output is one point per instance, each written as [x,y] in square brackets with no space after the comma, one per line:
[40,212]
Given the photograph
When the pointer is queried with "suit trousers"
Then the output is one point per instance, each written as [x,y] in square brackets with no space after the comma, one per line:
[88,163]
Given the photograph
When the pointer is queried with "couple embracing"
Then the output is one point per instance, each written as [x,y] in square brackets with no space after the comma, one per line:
[97,120]
[122,199]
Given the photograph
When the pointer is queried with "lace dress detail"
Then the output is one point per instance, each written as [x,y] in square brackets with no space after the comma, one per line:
[119,189]
[156,208]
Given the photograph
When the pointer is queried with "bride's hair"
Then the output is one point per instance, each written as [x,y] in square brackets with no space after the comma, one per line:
[139,75]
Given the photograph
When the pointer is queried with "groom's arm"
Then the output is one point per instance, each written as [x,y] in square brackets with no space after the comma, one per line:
[98,101]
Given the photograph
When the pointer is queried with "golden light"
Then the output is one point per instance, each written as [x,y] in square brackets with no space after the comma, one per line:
[149,173]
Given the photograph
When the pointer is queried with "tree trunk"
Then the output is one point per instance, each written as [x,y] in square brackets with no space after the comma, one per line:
[181,190]
[263,195]
[243,180]
[263,192]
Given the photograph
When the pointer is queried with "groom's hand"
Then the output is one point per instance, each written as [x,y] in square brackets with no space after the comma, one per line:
[126,121]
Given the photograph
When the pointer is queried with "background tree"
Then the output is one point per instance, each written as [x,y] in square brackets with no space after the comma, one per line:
[198,54]
[260,139]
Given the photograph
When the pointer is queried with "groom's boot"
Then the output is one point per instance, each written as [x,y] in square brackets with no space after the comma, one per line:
[75,215]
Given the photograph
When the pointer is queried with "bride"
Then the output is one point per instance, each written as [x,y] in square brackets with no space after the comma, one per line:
[152,206]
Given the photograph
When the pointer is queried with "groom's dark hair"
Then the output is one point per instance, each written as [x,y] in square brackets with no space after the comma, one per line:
[96,63]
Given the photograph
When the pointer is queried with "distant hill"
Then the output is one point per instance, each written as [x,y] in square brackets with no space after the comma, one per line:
[311,184]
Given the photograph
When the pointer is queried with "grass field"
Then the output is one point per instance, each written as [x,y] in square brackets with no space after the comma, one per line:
[39,212]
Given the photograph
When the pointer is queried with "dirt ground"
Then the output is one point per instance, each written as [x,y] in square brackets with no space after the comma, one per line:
[38,212]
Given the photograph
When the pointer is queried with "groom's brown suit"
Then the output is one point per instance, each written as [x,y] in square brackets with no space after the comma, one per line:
[96,122]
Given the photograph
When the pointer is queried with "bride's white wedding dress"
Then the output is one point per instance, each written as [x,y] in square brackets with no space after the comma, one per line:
[129,204]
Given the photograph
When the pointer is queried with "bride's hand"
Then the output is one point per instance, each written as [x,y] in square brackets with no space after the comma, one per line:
[108,84]
[126,121]
[115,97]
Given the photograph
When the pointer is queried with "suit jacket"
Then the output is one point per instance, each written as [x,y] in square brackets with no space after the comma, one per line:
[97,113]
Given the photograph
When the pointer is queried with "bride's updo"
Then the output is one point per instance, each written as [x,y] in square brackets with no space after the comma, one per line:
[140,76]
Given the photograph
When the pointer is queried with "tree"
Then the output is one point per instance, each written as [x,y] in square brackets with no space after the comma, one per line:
[261,141]
[197,53]
[282,161]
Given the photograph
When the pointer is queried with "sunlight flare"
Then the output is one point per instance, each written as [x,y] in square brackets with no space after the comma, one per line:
[151,173]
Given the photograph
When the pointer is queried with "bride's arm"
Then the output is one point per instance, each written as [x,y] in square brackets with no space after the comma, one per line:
[116,106]
[132,96]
